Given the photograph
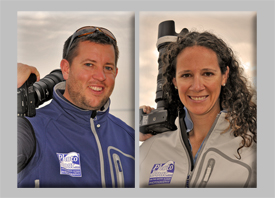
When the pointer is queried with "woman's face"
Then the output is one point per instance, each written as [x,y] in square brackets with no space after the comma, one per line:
[199,80]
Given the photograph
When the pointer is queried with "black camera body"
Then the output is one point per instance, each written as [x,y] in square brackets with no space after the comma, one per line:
[163,117]
[32,94]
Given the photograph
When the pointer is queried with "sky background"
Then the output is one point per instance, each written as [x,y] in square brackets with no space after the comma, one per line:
[41,36]
[237,29]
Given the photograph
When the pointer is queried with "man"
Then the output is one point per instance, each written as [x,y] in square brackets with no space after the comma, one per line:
[75,142]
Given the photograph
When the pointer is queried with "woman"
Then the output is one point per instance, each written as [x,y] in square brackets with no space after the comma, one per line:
[204,82]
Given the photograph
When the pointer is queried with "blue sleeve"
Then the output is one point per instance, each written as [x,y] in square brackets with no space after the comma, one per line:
[26,143]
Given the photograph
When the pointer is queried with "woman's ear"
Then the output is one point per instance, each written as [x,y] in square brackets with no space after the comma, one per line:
[225,76]
[175,83]
[65,68]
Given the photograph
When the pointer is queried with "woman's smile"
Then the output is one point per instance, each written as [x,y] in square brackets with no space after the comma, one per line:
[198,98]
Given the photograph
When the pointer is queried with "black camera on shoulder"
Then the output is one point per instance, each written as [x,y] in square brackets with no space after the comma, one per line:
[32,94]
[163,117]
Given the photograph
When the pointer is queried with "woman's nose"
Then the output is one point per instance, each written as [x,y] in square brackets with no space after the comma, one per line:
[197,84]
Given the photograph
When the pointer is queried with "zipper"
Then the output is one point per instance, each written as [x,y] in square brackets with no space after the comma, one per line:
[190,174]
[119,171]
[187,181]
[186,146]
[190,171]
[115,159]
[189,177]
[207,173]
[100,153]
[37,183]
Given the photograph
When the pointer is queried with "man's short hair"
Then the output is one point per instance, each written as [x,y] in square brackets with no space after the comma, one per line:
[97,37]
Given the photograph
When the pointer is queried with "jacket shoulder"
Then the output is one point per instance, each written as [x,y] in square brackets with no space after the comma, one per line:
[156,145]
[44,115]
[121,124]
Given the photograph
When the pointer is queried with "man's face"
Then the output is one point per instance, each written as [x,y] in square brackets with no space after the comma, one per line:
[90,79]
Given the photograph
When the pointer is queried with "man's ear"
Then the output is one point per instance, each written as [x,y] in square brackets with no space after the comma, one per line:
[116,71]
[65,68]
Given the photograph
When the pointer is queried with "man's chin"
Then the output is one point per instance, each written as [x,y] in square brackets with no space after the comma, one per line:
[93,106]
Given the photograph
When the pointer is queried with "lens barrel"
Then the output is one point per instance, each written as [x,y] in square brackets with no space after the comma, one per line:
[44,88]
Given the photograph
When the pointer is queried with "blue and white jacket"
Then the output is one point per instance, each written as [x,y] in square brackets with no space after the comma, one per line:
[75,150]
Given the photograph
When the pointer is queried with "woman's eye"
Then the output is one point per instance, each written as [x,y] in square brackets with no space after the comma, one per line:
[208,74]
[185,75]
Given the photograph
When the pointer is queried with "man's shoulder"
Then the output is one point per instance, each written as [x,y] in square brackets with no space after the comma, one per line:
[44,114]
[121,124]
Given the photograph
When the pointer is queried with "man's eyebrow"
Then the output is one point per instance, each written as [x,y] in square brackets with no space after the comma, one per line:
[113,64]
[94,61]
[87,59]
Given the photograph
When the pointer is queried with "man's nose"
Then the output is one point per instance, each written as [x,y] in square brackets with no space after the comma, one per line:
[99,74]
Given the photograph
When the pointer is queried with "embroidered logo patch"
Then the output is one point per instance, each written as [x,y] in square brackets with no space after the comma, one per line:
[162,173]
[70,164]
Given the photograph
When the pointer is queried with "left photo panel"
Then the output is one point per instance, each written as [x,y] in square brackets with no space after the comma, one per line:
[75,99]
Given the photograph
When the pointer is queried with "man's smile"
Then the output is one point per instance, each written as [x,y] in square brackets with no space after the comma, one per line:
[96,88]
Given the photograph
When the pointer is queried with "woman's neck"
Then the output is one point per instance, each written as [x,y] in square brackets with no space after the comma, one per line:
[201,127]
[202,124]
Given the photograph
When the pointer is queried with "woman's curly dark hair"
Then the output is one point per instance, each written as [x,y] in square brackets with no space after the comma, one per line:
[235,97]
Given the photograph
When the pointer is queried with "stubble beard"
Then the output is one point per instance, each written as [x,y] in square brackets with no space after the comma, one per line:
[81,101]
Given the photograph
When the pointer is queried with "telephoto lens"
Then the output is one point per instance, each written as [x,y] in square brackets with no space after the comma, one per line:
[44,88]
[163,117]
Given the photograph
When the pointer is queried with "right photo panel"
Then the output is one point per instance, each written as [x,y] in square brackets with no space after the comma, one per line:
[197,99]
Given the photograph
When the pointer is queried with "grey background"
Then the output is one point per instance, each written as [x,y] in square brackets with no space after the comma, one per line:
[265,92]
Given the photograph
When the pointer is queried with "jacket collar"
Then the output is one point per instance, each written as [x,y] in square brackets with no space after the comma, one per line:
[189,122]
[76,113]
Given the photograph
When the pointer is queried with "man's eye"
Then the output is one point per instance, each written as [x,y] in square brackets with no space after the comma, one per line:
[88,64]
[109,68]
